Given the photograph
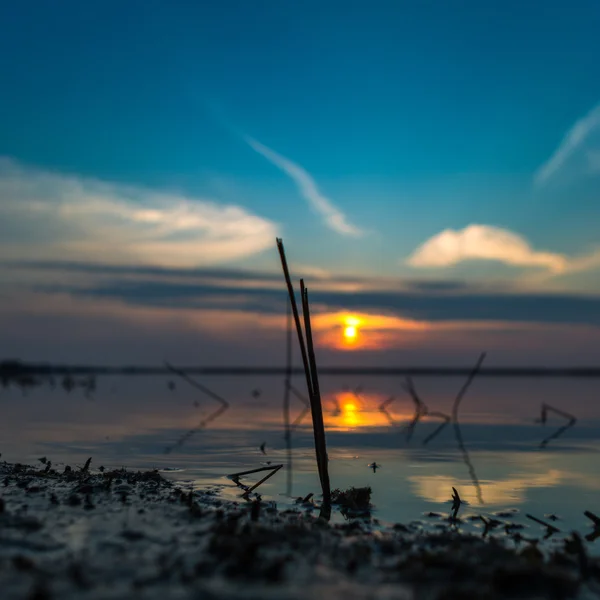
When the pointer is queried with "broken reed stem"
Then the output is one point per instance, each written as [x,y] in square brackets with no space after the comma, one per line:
[316,405]
[593,518]
[286,398]
[273,471]
[547,525]
[260,469]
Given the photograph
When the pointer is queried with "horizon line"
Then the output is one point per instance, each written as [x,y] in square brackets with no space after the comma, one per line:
[14,368]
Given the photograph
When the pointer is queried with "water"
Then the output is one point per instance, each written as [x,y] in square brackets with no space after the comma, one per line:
[505,471]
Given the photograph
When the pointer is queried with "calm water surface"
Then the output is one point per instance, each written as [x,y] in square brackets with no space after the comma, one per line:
[514,476]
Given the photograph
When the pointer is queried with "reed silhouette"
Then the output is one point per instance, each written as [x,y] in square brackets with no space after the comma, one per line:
[312,379]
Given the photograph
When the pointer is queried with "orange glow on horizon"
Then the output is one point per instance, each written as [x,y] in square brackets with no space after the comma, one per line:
[363,331]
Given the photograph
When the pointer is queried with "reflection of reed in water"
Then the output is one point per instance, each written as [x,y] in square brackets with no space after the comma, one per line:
[224,406]
[290,390]
[457,431]
[337,409]
[421,410]
[595,534]
[383,408]
[286,397]
[546,408]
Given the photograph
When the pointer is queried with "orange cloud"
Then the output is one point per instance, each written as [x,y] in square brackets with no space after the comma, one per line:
[362,331]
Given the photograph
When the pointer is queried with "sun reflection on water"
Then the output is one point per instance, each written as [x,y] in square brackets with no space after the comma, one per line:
[498,492]
[348,410]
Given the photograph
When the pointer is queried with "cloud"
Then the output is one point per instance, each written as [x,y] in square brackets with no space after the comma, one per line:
[574,139]
[334,217]
[585,263]
[53,216]
[483,242]
[413,304]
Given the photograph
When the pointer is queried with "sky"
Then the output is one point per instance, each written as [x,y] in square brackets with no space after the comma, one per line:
[433,169]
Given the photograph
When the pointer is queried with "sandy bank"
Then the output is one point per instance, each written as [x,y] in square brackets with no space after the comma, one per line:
[83,533]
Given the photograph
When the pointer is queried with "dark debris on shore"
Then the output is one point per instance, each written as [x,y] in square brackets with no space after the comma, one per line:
[90,533]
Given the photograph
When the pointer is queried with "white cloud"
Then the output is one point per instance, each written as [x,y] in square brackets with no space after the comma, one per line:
[573,140]
[334,217]
[47,215]
[483,242]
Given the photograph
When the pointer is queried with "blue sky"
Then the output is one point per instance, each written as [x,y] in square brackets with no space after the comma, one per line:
[392,142]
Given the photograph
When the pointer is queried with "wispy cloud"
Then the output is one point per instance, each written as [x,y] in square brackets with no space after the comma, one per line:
[483,242]
[333,216]
[500,303]
[53,216]
[573,140]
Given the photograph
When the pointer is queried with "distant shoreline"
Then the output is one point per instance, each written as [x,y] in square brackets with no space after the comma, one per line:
[11,369]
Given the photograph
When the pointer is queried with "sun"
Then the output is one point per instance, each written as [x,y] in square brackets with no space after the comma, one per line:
[350,332]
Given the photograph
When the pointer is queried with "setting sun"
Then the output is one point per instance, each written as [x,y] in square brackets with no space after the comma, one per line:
[363,331]
[350,332]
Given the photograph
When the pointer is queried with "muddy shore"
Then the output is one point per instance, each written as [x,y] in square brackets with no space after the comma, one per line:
[79,532]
